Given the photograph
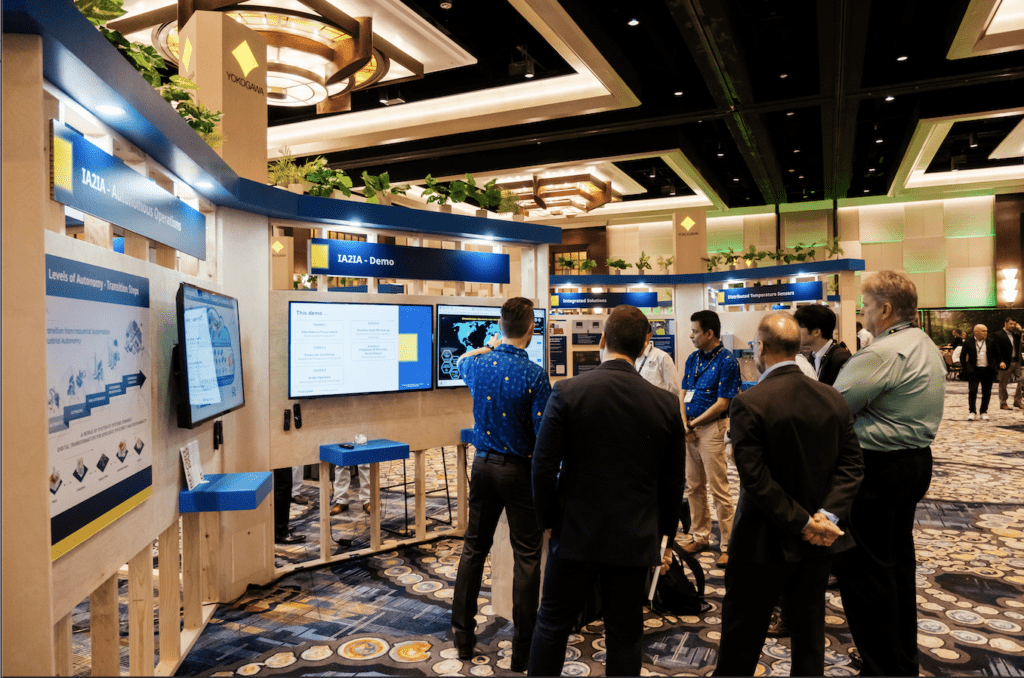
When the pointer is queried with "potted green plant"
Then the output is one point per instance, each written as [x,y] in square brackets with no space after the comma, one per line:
[803,252]
[486,197]
[284,172]
[753,255]
[618,265]
[665,263]
[713,261]
[566,262]
[730,258]
[643,263]
[833,249]
[437,193]
[377,189]
[509,203]
[324,181]
[587,265]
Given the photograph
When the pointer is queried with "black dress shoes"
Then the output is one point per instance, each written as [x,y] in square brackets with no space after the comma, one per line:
[289,538]
[465,644]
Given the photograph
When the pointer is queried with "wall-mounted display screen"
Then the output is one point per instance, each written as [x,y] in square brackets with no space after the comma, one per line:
[464,328]
[210,355]
[347,349]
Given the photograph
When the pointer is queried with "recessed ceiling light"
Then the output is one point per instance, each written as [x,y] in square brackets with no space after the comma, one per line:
[866,190]
[634,22]
[721,155]
[871,169]
[783,76]
[110,110]
[679,93]
[791,170]
[736,179]
[890,98]
[878,141]
[972,140]
[653,174]
[796,150]
[446,4]
[800,177]
[790,113]
[902,57]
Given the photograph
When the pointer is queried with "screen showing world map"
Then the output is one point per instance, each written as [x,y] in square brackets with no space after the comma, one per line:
[463,328]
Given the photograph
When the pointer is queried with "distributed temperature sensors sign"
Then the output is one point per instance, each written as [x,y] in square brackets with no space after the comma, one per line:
[353,259]
[772,294]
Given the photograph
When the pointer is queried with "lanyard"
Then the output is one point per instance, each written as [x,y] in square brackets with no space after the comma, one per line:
[641,368]
[699,372]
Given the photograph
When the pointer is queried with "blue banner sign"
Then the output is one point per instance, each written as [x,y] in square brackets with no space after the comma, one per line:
[604,300]
[353,259]
[772,294]
[95,182]
[558,356]
[586,339]
[666,343]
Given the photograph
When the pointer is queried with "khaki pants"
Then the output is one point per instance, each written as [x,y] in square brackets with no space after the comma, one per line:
[1007,377]
[706,466]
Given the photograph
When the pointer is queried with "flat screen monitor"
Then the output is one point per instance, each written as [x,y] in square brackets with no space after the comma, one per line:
[463,328]
[209,355]
[337,348]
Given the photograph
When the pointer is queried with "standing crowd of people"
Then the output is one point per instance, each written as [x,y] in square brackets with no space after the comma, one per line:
[832,452]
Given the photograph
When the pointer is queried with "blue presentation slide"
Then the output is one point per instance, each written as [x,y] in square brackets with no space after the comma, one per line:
[213,351]
[348,349]
[464,328]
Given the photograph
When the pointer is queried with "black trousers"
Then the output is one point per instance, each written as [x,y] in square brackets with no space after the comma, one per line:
[499,482]
[568,585]
[877,577]
[282,499]
[751,590]
[984,376]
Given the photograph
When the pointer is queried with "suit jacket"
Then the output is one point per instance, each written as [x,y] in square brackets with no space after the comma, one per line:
[609,466]
[969,354]
[796,453]
[833,360]
[1008,350]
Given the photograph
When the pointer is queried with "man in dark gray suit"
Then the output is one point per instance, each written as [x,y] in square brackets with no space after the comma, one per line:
[800,466]
[608,473]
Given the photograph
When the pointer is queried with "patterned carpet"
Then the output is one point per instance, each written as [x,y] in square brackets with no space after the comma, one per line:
[389,615]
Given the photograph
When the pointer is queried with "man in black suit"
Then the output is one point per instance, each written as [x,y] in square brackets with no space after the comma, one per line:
[1009,344]
[980,357]
[800,466]
[817,323]
[608,473]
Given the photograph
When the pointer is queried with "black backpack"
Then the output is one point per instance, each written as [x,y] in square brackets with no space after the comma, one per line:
[675,593]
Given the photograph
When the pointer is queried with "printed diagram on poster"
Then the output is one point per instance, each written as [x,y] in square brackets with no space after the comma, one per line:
[191,463]
[98,404]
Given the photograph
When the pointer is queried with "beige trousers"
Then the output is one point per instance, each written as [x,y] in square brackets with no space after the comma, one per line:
[706,466]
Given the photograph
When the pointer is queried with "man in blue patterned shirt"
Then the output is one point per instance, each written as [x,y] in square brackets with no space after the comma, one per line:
[710,380]
[509,395]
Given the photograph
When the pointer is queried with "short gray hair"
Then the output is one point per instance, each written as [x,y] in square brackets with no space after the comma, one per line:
[893,288]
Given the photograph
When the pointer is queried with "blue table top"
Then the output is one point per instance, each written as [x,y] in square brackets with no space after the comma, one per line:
[226,492]
[373,451]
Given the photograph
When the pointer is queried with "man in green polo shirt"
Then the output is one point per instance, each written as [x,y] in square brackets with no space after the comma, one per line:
[894,387]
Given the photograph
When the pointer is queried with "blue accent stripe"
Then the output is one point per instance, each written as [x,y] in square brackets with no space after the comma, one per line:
[77,517]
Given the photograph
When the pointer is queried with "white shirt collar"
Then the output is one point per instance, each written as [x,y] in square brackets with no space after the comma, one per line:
[819,354]
[772,368]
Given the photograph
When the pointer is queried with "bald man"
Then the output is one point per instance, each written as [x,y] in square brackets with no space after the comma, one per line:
[800,467]
[981,358]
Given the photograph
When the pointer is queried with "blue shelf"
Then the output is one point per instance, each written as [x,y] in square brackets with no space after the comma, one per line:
[373,451]
[766,272]
[226,492]
[81,63]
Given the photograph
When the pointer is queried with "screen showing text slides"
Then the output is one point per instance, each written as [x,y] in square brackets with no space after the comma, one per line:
[463,328]
[345,349]
[213,351]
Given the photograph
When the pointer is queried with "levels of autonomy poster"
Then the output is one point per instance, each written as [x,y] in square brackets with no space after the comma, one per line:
[99,410]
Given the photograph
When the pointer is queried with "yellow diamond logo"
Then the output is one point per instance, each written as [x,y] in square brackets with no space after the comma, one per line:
[245,58]
[554,300]
[721,297]
[688,223]
[63,170]
[186,55]
[277,247]
[318,256]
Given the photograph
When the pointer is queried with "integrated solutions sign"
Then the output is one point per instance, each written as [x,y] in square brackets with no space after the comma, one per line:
[353,259]
[605,300]
[772,294]
[95,182]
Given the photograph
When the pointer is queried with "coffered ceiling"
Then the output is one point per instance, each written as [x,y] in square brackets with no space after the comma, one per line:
[724,103]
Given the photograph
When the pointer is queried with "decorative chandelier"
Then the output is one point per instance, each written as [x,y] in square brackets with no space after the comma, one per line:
[312,59]
[566,195]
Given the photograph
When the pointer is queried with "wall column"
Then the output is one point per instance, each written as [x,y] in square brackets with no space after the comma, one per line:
[690,240]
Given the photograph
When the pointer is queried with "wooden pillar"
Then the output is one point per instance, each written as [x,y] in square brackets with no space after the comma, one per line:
[420,462]
[170,595]
[849,293]
[690,240]
[325,509]
[166,256]
[104,629]
[192,570]
[62,647]
[136,246]
[28,621]
[140,613]
[51,111]
[462,488]
[375,506]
